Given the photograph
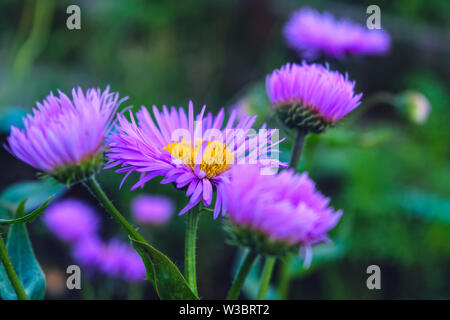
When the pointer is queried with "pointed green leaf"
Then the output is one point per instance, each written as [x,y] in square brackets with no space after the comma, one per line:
[29,217]
[24,261]
[167,280]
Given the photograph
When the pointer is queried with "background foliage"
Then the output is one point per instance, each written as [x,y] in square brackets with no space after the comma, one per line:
[390,176]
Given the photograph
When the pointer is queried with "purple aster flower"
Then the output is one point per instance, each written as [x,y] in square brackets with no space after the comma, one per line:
[64,137]
[274,214]
[311,33]
[311,97]
[194,155]
[152,209]
[71,220]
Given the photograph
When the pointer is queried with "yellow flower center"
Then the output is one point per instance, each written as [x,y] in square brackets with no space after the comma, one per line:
[216,157]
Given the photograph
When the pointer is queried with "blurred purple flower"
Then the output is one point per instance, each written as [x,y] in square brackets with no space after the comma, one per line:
[88,252]
[197,162]
[115,258]
[152,209]
[325,95]
[64,137]
[76,223]
[311,33]
[285,209]
[119,259]
[71,220]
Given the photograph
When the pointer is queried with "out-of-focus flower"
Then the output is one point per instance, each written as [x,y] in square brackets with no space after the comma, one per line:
[152,209]
[415,105]
[119,259]
[76,223]
[115,258]
[312,33]
[311,97]
[194,155]
[71,220]
[88,252]
[64,138]
[275,214]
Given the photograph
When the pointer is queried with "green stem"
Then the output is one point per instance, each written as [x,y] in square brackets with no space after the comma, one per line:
[297,150]
[239,280]
[265,277]
[95,188]
[284,279]
[380,97]
[190,273]
[12,275]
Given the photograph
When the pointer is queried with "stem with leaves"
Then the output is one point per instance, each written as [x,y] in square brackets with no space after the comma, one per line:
[12,275]
[94,187]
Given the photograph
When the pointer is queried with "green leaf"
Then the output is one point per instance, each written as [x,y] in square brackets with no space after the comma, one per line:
[167,280]
[29,217]
[30,274]
[36,192]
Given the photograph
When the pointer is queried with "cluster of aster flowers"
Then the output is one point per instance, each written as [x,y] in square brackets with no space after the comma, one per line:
[312,33]
[216,161]
[76,223]
[276,214]
[193,153]
[202,154]
[64,138]
[311,97]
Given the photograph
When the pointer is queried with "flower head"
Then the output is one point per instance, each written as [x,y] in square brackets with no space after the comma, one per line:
[194,155]
[152,209]
[311,97]
[274,214]
[64,137]
[311,33]
[71,220]
[415,105]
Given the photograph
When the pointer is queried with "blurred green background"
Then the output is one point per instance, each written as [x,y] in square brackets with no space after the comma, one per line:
[391,176]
